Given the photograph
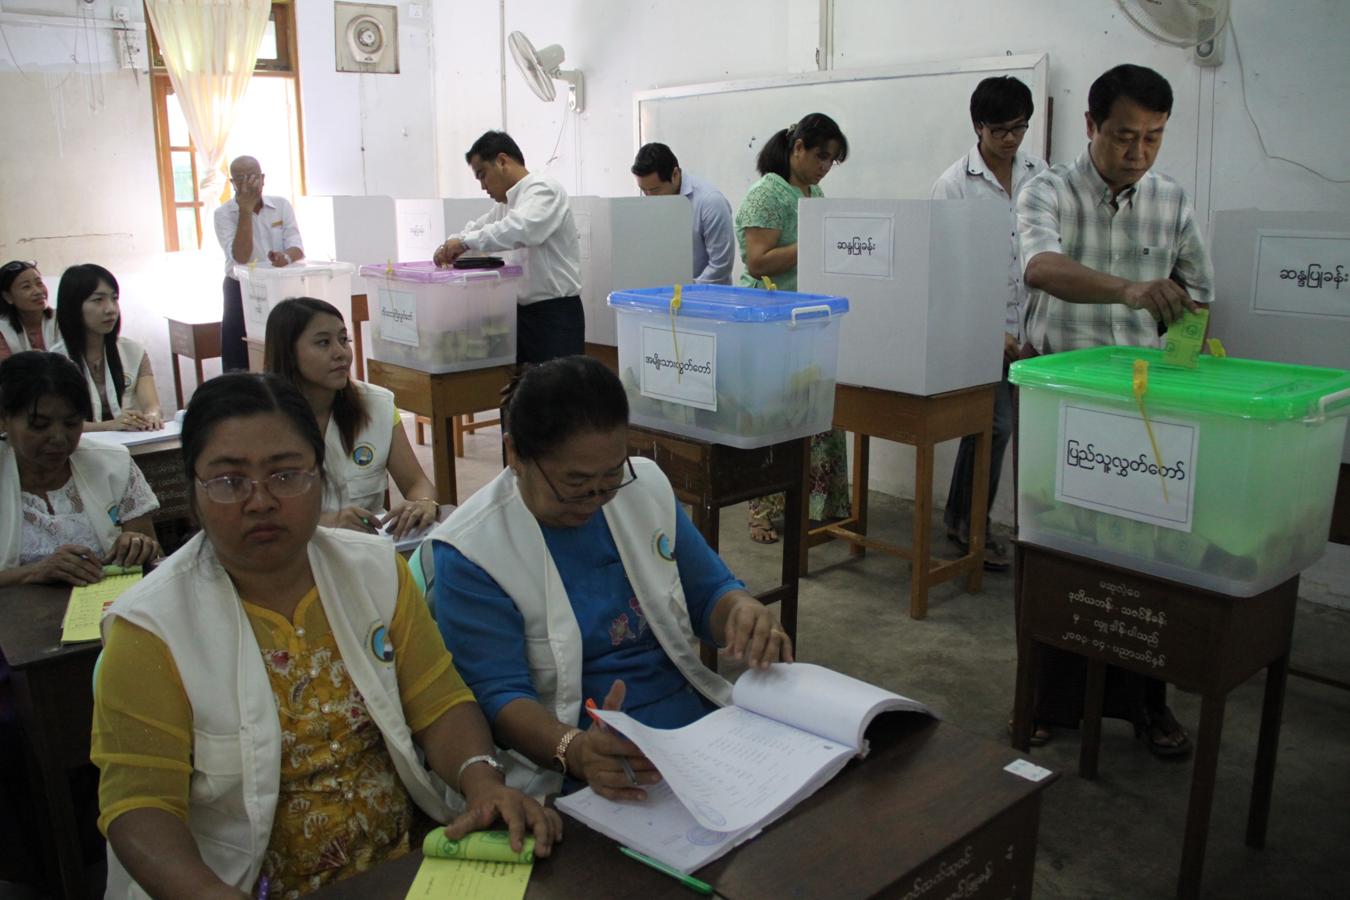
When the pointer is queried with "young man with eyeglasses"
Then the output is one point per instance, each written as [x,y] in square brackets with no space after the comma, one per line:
[996,168]
[251,228]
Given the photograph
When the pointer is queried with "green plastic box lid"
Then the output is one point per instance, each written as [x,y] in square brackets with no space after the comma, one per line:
[1243,388]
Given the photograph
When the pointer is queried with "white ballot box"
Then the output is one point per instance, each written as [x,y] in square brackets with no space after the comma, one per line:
[350,228]
[927,283]
[264,286]
[629,243]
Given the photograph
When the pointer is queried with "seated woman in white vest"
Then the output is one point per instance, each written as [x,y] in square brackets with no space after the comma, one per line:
[576,575]
[366,443]
[70,506]
[267,697]
[26,321]
[116,369]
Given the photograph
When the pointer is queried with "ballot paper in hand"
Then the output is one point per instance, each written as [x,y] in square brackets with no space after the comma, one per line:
[1185,339]
[789,730]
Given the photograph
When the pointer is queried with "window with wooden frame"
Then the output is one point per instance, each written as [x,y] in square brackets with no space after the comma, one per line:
[268,126]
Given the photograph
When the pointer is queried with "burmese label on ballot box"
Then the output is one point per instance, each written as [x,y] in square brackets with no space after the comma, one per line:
[398,317]
[1108,463]
[680,365]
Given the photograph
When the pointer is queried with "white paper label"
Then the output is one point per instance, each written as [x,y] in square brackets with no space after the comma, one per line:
[1027,769]
[1302,273]
[1106,463]
[679,366]
[858,245]
[398,317]
[255,304]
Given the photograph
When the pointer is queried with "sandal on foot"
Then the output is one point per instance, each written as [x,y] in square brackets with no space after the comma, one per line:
[763,533]
[1162,733]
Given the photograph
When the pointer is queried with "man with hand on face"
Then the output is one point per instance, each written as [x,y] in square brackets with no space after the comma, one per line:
[255,229]
[1111,249]
[994,169]
[658,174]
[1112,253]
[532,213]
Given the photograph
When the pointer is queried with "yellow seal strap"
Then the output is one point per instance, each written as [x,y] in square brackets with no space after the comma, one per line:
[675,301]
[1140,389]
[1216,348]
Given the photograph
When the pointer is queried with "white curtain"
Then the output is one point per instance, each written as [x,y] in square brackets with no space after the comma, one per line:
[209,49]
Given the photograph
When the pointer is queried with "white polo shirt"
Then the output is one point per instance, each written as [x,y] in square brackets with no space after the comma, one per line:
[274,228]
[970,179]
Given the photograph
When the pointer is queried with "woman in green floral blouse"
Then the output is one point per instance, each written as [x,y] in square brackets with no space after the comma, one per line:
[792,163]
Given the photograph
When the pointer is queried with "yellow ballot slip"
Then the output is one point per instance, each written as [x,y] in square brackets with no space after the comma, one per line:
[1185,339]
[481,866]
[88,602]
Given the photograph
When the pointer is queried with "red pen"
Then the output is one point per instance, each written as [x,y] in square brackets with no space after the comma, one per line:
[627,769]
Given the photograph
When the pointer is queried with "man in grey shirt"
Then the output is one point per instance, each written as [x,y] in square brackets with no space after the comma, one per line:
[658,174]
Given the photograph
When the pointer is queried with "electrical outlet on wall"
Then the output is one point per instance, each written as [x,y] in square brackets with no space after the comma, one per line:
[121,14]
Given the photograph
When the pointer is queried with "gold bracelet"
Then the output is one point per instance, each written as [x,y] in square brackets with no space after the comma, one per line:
[560,754]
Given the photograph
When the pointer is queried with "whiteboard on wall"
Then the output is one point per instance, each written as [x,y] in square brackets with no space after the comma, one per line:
[904,124]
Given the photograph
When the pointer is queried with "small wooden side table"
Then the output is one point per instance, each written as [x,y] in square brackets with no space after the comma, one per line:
[197,341]
[922,422]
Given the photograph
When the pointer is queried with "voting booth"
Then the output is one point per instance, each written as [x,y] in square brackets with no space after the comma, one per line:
[440,320]
[729,365]
[927,282]
[1221,476]
[347,228]
[264,285]
[626,243]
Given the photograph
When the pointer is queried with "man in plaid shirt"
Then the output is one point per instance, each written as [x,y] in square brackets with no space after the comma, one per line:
[1111,254]
[1109,248]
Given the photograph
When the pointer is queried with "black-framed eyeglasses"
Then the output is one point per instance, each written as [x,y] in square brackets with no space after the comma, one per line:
[17,265]
[1000,132]
[237,488]
[620,480]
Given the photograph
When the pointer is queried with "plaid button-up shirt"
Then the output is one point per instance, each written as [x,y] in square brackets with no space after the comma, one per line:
[1149,232]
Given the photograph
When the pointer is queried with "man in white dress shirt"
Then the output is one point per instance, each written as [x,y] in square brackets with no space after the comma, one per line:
[995,168]
[658,174]
[264,232]
[532,213]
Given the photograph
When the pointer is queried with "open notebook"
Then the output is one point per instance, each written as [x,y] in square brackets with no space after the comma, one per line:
[789,730]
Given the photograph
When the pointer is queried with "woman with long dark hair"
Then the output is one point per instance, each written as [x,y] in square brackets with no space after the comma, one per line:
[26,321]
[307,345]
[791,165]
[116,369]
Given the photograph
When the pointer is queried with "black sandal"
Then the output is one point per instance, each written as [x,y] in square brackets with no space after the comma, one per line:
[1162,733]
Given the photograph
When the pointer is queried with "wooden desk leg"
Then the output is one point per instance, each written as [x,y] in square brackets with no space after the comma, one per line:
[1024,697]
[1198,809]
[1263,781]
[861,477]
[201,376]
[921,556]
[177,380]
[794,543]
[979,508]
[359,352]
[1093,698]
[51,788]
[443,459]
[707,522]
[803,521]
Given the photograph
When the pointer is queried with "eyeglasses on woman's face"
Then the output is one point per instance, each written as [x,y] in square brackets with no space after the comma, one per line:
[610,482]
[237,489]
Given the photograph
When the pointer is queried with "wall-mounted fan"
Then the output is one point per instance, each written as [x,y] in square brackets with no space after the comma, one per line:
[542,67]
[366,36]
[1195,25]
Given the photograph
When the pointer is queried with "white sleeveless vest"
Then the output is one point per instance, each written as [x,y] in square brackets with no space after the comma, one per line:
[124,396]
[101,472]
[361,477]
[497,532]
[191,604]
[17,341]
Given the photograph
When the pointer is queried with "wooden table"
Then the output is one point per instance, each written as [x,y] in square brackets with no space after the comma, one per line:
[195,340]
[1340,511]
[606,353]
[53,693]
[360,313]
[930,812]
[710,476]
[161,462]
[1198,640]
[442,398]
[922,422]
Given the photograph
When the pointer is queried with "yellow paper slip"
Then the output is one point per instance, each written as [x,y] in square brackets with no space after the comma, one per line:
[463,879]
[87,604]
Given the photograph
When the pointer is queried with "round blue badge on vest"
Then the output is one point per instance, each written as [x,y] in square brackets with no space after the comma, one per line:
[661,542]
[363,454]
[381,647]
[115,514]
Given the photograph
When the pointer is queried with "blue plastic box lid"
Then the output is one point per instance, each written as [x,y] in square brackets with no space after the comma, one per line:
[731,304]
[427,272]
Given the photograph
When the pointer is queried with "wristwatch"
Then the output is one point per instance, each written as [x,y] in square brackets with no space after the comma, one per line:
[560,754]
[480,758]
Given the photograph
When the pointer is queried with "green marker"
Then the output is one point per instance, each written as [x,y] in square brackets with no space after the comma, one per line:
[687,880]
[121,570]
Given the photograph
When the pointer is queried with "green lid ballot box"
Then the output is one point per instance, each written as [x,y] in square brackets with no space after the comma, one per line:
[1224,479]
[264,285]
[729,365]
[442,320]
